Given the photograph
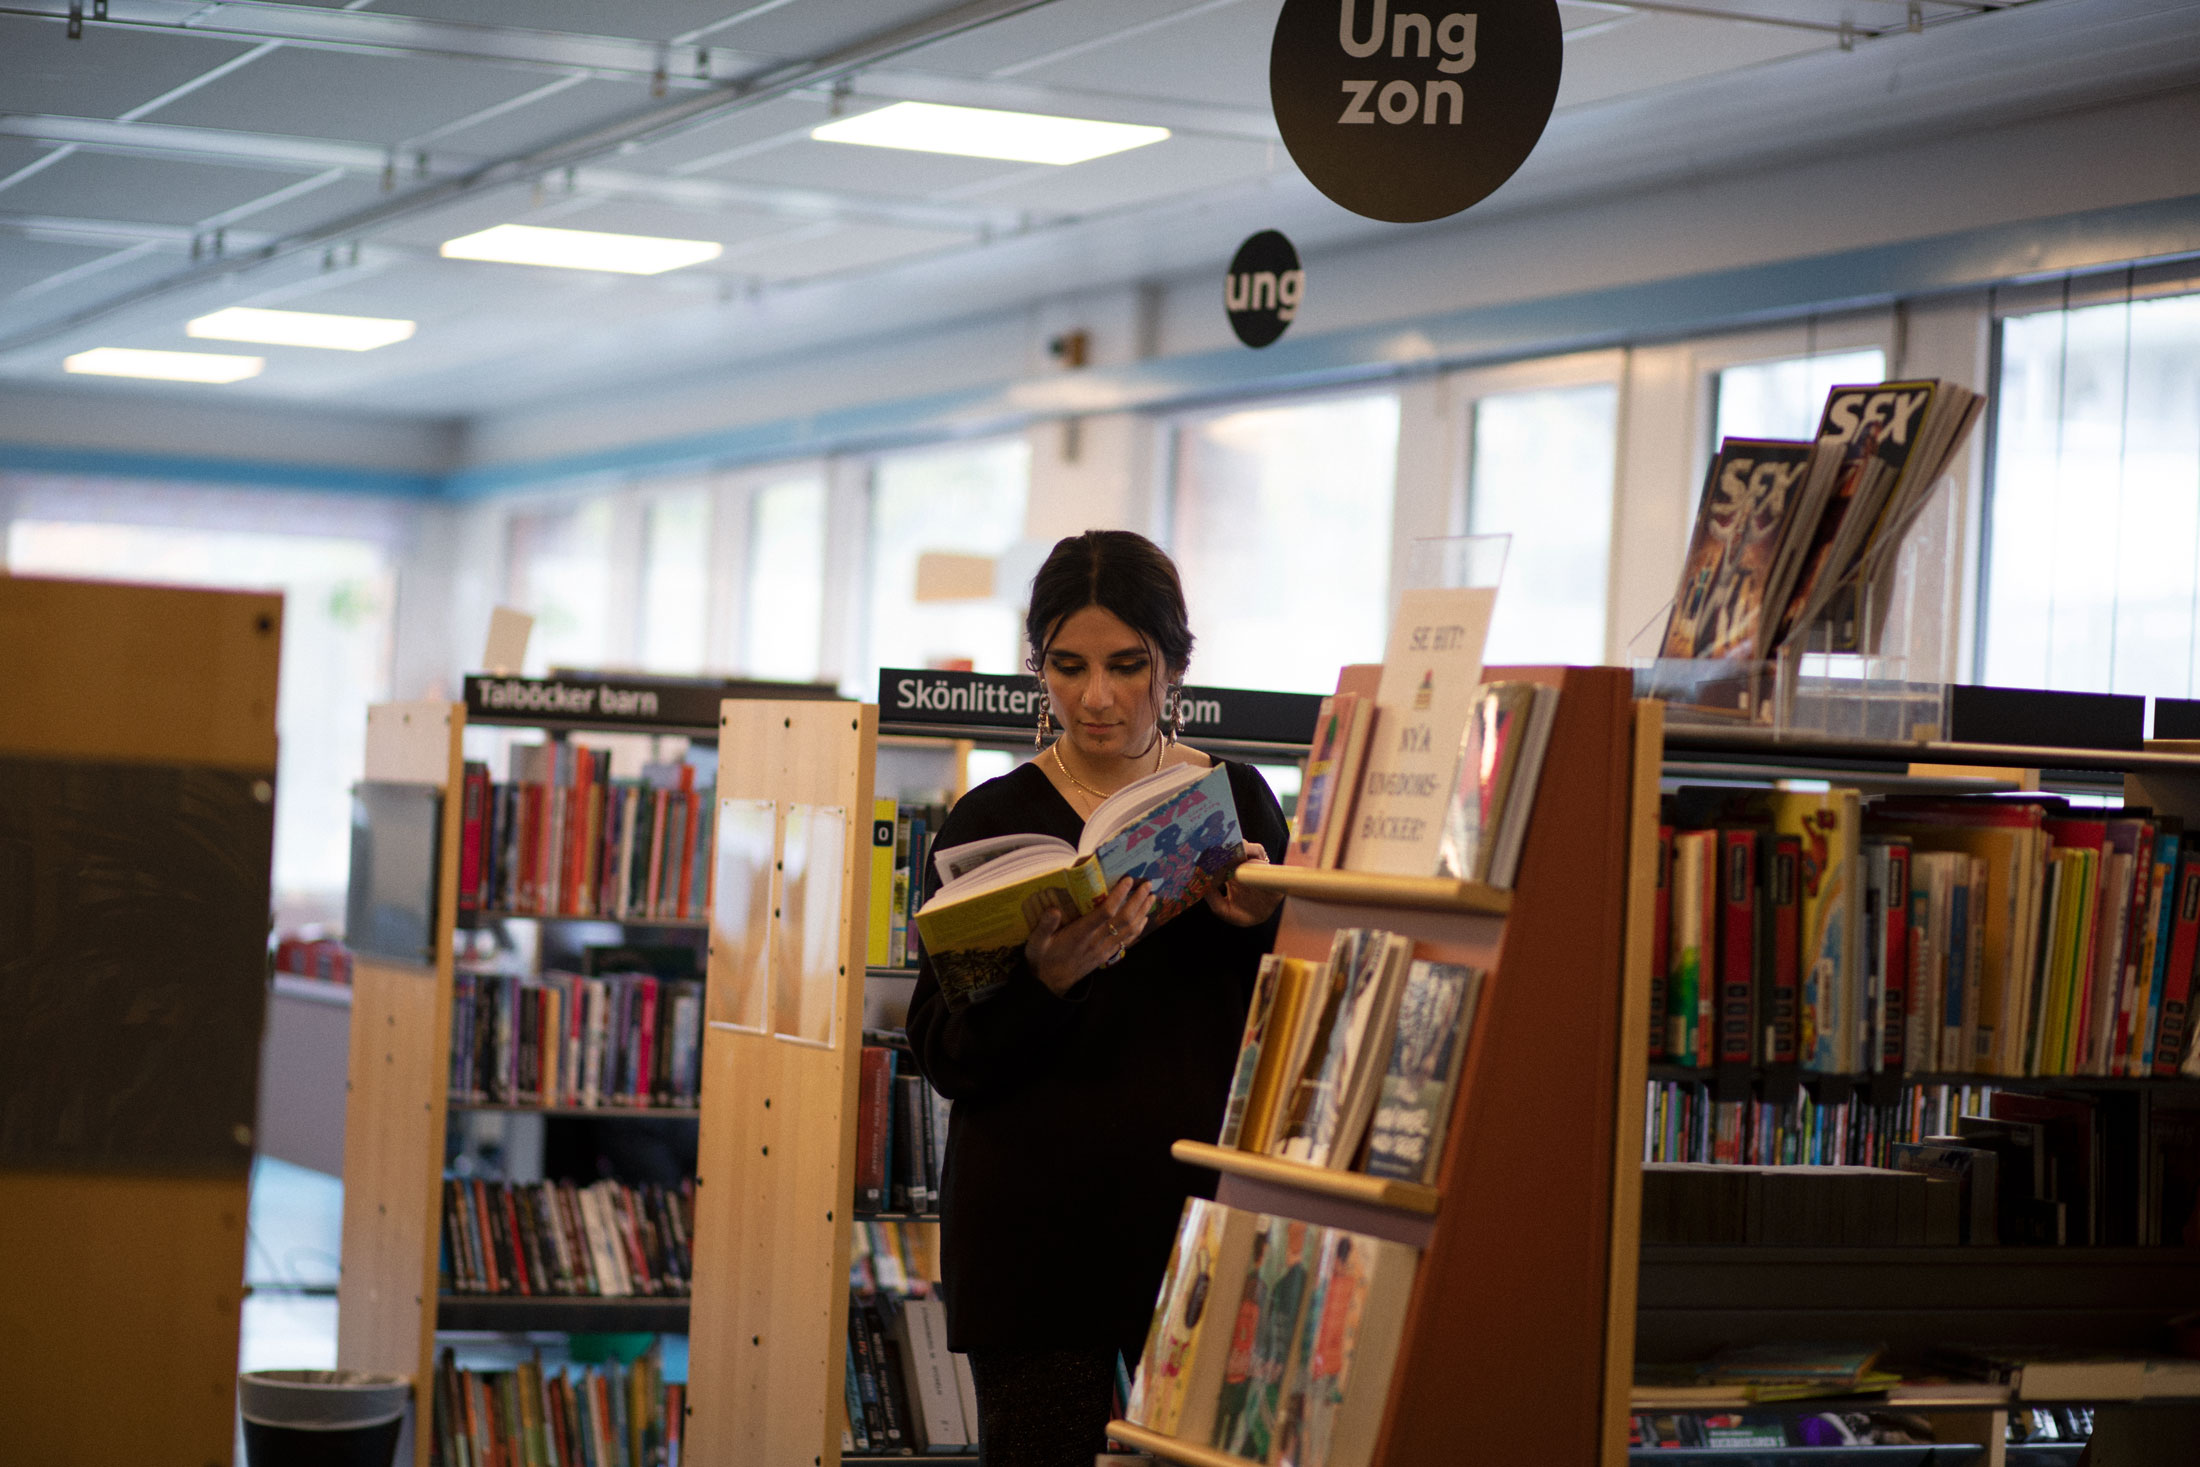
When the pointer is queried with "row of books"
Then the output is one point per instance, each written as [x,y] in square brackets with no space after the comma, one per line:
[890,1256]
[901,1135]
[1985,1374]
[902,836]
[1993,936]
[1351,1063]
[563,838]
[1273,1339]
[1479,815]
[607,1415]
[559,1238]
[1788,534]
[623,1039]
[2060,1168]
[1807,1206]
[905,1391]
[1685,1120]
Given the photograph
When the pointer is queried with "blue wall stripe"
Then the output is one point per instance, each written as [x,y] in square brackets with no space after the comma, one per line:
[253,473]
[1650,311]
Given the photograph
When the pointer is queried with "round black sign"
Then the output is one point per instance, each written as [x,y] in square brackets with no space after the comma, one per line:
[1412,111]
[1263,289]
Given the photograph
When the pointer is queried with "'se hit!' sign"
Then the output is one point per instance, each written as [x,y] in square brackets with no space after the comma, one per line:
[1413,110]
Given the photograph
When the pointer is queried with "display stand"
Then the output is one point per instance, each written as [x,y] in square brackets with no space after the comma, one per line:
[1514,1304]
[137,755]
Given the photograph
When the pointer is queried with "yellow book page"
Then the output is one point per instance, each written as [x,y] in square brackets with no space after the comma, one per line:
[1005,916]
[1260,1108]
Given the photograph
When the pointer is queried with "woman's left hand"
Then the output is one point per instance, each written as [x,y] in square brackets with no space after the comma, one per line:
[1240,905]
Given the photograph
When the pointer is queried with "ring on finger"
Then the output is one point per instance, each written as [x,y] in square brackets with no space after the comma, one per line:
[1113,958]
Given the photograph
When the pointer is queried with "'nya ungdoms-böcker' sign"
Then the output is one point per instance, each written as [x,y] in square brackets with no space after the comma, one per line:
[1411,111]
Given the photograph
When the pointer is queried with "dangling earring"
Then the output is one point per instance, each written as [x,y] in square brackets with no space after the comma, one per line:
[1046,723]
[1176,715]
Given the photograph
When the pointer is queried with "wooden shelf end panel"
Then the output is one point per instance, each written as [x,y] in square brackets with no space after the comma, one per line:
[1365,889]
[1169,1449]
[1327,1181]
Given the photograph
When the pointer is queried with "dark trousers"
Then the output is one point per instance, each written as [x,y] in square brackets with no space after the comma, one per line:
[1042,1407]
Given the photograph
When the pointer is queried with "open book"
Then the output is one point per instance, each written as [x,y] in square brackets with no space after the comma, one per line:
[1176,829]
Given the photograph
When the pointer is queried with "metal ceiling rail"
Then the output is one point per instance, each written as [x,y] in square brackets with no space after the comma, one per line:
[695,110]
[1921,14]
[208,144]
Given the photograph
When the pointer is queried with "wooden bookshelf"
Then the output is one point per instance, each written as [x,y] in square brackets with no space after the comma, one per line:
[1513,1302]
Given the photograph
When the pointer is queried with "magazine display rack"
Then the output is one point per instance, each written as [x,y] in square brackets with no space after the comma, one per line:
[1523,1304]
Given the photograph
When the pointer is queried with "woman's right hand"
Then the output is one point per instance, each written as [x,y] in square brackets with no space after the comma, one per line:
[1062,954]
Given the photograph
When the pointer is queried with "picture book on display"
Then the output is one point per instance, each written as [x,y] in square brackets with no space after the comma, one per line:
[1493,793]
[1352,1062]
[1176,829]
[1273,1339]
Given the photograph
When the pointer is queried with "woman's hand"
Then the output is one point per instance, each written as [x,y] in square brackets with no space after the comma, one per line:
[1240,905]
[1061,955]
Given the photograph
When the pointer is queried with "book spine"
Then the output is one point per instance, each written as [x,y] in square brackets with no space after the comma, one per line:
[1737,946]
[1895,914]
[2177,987]
[1661,937]
[471,836]
[1787,947]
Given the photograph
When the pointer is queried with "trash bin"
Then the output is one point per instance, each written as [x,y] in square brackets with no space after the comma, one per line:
[321,1418]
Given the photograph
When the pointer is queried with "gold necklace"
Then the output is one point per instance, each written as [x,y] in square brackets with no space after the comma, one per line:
[1081,785]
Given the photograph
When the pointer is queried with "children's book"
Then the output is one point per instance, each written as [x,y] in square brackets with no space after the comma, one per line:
[1176,829]
[1336,1089]
[1435,1019]
[1349,1345]
[1181,1371]
[1277,1282]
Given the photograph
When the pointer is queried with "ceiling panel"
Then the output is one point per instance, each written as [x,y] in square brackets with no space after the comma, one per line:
[330,201]
[104,75]
[764,123]
[90,185]
[18,153]
[531,125]
[430,291]
[1012,44]
[83,293]
[811,28]
[801,255]
[1179,165]
[368,99]
[667,221]
[1213,56]
[25,261]
[845,167]
[1653,51]
[642,20]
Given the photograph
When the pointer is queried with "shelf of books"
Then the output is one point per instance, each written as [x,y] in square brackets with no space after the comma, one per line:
[1921,1108]
[529,914]
[1413,1217]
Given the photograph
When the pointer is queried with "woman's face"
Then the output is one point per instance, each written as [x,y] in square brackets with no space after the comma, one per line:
[1103,684]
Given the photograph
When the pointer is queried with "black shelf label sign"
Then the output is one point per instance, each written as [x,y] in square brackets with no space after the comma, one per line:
[1405,112]
[604,701]
[988,700]
[1264,287]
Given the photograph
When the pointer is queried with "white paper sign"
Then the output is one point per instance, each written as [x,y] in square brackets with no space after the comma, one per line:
[1430,671]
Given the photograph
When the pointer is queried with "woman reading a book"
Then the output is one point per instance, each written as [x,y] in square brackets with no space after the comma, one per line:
[1111,1039]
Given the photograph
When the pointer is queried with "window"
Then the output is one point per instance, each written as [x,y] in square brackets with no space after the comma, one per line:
[2092,565]
[338,598]
[1541,470]
[675,590]
[1281,530]
[558,567]
[783,607]
[966,499]
[1784,398]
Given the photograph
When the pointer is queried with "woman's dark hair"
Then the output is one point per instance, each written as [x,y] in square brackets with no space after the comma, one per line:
[1122,573]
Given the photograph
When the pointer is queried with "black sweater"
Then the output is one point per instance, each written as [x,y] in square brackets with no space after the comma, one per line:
[1060,1199]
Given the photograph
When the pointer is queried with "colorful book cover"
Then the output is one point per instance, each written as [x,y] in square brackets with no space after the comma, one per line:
[1685,976]
[1350,1343]
[1251,1042]
[1181,1365]
[1748,499]
[1278,1283]
[1826,825]
[1317,781]
[1435,1020]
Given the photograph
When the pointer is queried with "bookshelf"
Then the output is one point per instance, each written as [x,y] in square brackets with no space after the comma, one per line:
[1691,1300]
[1516,1294]
[138,739]
[406,922]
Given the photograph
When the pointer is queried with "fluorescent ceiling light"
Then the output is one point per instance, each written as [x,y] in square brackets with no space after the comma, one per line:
[167,366]
[300,328]
[581,249]
[983,132]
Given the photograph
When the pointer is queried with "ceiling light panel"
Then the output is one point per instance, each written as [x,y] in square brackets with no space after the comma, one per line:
[581,249]
[164,366]
[984,132]
[300,328]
